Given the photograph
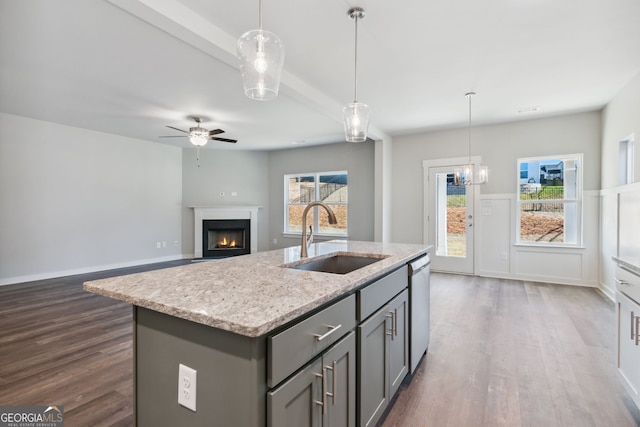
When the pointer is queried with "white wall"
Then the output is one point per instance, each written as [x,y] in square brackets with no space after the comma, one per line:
[75,200]
[499,146]
[357,159]
[221,171]
[620,119]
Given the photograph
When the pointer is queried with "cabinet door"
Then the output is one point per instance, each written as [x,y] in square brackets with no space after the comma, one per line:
[295,403]
[628,350]
[339,365]
[374,375]
[398,342]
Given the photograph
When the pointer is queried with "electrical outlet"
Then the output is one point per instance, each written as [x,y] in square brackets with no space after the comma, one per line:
[187,386]
[158,245]
[234,194]
[164,244]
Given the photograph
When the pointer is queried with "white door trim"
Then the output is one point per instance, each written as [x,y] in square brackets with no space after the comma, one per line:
[426,164]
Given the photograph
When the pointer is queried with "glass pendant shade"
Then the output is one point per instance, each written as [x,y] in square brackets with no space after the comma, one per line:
[466,176]
[261,55]
[470,174]
[356,121]
[483,174]
[198,136]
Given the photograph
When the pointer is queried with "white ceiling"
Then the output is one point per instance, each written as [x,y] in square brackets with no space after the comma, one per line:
[130,67]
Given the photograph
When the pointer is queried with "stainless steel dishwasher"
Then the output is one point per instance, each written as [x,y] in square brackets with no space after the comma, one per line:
[419,291]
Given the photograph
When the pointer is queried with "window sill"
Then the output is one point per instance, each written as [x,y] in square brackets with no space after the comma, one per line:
[548,246]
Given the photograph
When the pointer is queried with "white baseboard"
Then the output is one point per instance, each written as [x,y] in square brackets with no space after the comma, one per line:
[85,270]
[607,292]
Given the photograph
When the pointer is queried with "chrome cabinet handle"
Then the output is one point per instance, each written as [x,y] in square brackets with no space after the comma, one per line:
[620,282]
[331,330]
[637,327]
[322,402]
[392,324]
[395,321]
[334,369]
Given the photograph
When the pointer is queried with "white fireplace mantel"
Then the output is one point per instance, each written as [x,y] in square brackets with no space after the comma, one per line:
[224,212]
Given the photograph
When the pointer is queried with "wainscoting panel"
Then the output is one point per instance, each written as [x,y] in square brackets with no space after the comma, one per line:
[549,265]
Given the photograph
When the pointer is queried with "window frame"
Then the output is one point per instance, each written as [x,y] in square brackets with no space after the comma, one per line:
[576,201]
[316,218]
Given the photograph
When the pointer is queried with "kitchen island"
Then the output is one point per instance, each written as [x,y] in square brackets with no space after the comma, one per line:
[241,324]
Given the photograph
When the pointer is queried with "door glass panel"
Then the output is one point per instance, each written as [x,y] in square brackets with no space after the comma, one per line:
[451,229]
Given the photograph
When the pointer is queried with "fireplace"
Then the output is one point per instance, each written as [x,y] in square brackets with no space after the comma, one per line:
[227,213]
[225,237]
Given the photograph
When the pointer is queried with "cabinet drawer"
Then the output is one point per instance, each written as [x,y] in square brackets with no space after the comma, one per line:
[381,291]
[628,283]
[295,346]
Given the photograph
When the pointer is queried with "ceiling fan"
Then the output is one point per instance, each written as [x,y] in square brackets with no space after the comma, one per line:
[199,135]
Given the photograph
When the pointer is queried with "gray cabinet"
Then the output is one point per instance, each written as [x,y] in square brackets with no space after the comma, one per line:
[384,358]
[322,394]
[295,346]
[629,344]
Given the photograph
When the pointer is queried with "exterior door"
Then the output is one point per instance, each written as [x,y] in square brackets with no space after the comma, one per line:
[449,222]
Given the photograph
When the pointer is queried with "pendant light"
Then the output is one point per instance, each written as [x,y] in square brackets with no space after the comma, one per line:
[465,175]
[356,114]
[261,55]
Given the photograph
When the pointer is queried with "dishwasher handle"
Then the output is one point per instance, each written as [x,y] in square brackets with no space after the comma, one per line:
[419,264]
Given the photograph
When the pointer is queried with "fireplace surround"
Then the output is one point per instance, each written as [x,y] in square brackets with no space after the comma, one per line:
[225,237]
[235,213]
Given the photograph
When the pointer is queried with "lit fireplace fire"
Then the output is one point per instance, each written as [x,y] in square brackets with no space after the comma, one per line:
[224,243]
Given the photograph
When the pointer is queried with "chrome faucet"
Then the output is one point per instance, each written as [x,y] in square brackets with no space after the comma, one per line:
[307,240]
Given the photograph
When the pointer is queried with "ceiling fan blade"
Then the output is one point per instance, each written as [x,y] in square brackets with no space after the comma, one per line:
[215,132]
[179,130]
[172,136]
[223,139]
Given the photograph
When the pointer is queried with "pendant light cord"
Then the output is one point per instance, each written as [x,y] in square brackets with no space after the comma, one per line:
[470,128]
[260,14]
[470,95]
[355,72]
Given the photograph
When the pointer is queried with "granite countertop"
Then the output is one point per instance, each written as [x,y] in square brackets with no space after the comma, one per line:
[252,294]
[629,263]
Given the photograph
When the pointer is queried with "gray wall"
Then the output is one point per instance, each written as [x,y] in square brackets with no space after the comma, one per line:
[620,119]
[357,159]
[499,146]
[495,252]
[223,171]
[75,200]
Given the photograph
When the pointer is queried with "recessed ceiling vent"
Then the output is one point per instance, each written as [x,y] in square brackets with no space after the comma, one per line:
[532,109]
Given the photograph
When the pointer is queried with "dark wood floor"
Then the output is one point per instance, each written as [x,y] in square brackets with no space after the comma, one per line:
[513,353]
[502,352]
[60,345]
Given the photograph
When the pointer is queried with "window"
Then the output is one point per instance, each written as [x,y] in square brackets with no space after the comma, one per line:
[550,201]
[626,163]
[524,170]
[302,189]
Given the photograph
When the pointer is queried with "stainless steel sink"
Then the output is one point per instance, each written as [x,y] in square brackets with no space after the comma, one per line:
[338,264]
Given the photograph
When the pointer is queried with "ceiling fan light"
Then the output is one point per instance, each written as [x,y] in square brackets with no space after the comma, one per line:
[198,136]
[261,55]
[356,121]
